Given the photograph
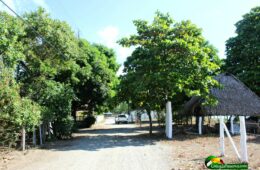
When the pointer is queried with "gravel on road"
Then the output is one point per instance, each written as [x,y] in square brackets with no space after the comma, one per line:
[104,147]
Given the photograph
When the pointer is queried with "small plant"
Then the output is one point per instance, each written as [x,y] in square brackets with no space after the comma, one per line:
[64,127]
[88,121]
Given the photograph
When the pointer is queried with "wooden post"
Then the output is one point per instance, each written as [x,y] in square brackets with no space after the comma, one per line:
[168,121]
[221,138]
[200,125]
[231,141]
[40,134]
[23,139]
[34,137]
[243,138]
[232,124]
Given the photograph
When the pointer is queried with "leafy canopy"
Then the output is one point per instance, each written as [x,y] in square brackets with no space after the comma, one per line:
[243,50]
[171,60]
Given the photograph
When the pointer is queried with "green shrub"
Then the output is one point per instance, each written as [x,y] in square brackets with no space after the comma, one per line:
[63,127]
[88,121]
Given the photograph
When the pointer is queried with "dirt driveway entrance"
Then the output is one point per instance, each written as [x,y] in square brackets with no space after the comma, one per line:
[107,146]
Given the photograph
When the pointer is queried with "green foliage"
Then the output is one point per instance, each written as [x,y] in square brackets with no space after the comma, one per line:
[63,127]
[15,112]
[97,90]
[121,108]
[10,47]
[9,101]
[172,61]
[243,50]
[29,114]
[57,74]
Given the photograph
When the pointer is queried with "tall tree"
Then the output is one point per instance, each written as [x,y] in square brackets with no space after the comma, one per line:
[11,48]
[97,87]
[15,112]
[243,50]
[49,68]
[171,60]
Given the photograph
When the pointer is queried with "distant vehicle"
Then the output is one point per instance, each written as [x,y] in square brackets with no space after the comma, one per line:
[122,118]
[108,114]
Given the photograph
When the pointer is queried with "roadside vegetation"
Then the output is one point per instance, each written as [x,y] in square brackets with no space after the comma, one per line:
[47,74]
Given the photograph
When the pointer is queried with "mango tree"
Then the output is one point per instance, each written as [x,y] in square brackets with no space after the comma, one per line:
[171,60]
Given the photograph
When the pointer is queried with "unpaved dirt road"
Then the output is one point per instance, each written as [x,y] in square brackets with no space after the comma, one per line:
[103,147]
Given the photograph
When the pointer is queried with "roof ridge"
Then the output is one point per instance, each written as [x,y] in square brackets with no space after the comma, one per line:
[242,83]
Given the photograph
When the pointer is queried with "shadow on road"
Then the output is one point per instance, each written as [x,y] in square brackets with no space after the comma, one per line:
[118,129]
[97,139]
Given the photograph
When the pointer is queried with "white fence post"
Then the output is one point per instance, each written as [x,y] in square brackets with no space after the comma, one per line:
[243,138]
[23,139]
[221,138]
[200,125]
[168,120]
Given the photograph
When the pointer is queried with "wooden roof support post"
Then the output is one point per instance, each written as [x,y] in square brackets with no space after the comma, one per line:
[221,137]
[168,120]
[200,125]
[243,138]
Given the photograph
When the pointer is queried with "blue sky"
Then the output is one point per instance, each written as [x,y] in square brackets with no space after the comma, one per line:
[106,21]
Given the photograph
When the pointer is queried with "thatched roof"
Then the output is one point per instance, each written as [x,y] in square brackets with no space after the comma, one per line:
[234,99]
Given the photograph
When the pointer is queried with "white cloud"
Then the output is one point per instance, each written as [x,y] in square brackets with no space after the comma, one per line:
[20,6]
[42,3]
[120,70]
[123,53]
[109,36]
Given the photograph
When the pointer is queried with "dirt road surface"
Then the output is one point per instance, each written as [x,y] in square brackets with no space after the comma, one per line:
[127,146]
[103,147]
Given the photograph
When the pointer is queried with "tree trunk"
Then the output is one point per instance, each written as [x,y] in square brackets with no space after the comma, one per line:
[187,120]
[34,137]
[44,132]
[150,122]
[40,133]
[159,118]
[128,109]
[74,110]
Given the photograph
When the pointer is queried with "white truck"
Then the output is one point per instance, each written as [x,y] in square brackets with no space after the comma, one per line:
[121,118]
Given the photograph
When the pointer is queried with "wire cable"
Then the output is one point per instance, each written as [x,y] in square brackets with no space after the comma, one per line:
[26,22]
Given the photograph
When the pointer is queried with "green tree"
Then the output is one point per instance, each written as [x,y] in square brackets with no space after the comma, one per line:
[243,50]
[171,60]
[11,49]
[96,91]
[121,108]
[54,70]
[50,68]
[15,112]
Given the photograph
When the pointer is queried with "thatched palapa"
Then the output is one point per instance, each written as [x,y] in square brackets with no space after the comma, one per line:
[234,98]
